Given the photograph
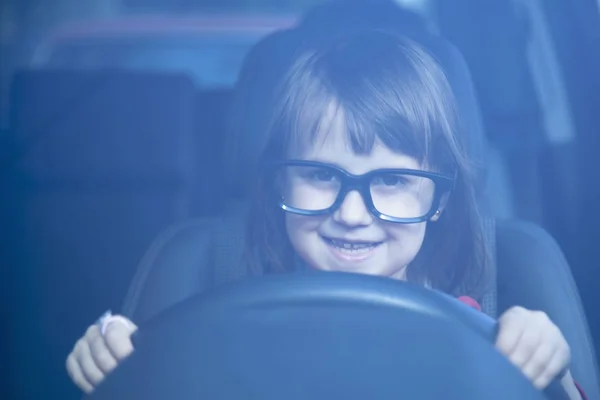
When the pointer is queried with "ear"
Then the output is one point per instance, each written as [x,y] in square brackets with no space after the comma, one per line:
[441,208]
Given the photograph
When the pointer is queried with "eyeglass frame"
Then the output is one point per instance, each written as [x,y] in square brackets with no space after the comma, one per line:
[361,183]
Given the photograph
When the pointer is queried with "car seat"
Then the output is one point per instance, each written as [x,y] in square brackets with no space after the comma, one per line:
[212,106]
[108,160]
[530,268]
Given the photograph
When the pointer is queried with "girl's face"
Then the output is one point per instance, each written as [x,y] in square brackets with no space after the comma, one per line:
[324,241]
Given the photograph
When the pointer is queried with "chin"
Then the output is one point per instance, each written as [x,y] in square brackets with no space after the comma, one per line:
[365,267]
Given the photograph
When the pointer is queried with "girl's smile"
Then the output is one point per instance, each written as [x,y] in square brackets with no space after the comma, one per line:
[352,250]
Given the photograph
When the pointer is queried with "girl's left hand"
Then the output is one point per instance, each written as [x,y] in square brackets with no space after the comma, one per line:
[534,344]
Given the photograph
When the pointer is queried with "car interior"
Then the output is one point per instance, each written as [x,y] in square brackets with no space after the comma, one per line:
[114,177]
[518,245]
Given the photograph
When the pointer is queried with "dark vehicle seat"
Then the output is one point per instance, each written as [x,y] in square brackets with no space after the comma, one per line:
[547,285]
[108,160]
[212,108]
[533,273]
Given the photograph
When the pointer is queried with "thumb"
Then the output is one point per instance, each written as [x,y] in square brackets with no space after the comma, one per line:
[111,320]
[117,331]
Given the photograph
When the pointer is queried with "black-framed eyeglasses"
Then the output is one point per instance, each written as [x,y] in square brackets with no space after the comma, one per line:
[396,195]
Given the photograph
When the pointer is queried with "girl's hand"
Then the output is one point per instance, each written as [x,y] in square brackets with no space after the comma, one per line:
[534,344]
[96,354]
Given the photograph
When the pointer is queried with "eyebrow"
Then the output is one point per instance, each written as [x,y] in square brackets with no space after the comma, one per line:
[336,165]
[322,161]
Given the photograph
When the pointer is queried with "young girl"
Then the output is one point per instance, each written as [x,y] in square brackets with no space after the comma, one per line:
[364,171]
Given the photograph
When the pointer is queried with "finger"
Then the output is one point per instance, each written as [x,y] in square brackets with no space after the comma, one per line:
[90,370]
[92,333]
[76,375]
[118,337]
[510,333]
[554,367]
[528,344]
[535,367]
[102,356]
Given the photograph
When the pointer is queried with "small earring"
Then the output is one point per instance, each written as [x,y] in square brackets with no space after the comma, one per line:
[436,216]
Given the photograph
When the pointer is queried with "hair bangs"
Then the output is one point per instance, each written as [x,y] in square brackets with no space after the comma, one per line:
[358,78]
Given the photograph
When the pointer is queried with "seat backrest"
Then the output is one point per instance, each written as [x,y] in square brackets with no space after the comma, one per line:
[533,273]
[496,39]
[207,252]
[211,112]
[107,160]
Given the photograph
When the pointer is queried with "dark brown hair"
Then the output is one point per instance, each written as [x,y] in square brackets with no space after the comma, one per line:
[391,90]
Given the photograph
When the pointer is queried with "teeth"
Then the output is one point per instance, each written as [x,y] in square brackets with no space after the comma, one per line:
[355,251]
[352,247]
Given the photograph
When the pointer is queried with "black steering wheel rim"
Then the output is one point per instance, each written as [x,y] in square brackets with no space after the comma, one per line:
[225,313]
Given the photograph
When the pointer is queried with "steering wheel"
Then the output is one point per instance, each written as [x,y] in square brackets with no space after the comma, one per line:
[319,336]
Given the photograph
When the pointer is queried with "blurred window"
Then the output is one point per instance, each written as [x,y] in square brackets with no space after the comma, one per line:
[211,61]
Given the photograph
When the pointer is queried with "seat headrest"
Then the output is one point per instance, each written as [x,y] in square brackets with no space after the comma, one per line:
[86,125]
[248,113]
[268,60]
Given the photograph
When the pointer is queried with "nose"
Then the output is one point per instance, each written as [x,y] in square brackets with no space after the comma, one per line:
[353,212]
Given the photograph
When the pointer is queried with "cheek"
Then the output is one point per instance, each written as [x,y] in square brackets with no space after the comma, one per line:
[300,228]
[409,237]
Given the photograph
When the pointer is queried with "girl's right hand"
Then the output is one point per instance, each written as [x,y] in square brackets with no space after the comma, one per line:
[96,355]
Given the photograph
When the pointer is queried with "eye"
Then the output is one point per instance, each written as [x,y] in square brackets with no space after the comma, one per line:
[391,180]
[322,175]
